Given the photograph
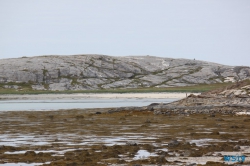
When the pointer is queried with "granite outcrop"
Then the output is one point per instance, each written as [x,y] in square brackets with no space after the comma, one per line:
[232,100]
[92,72]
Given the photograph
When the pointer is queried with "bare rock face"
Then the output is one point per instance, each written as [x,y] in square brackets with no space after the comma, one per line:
[38,87]
[88,72]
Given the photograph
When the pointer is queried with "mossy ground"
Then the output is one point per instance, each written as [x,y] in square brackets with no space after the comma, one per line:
[25,88]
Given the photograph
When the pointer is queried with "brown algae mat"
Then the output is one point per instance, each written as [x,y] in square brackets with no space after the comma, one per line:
[95,137]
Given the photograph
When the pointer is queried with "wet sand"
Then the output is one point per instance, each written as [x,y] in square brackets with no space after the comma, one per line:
[96,95]
[96,137]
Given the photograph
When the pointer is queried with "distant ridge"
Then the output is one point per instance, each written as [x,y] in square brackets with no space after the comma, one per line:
[92,72]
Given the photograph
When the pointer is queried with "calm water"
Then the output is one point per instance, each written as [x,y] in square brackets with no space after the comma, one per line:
[45,105]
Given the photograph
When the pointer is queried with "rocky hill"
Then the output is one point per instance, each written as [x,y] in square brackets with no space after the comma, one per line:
[86,72]
[233,99]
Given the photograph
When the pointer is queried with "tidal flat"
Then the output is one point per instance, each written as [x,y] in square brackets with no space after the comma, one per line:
[98,137]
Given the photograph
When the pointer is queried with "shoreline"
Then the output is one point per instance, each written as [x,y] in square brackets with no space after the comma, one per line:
[55,137]
[96,96]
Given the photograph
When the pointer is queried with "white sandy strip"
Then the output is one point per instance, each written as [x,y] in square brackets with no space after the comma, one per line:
[242,113]
[97,95]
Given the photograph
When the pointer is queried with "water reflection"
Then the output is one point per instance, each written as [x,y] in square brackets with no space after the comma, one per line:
[44,105]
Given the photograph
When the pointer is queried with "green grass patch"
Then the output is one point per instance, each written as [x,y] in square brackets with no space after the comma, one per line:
[44,71]
[188,89]
[74,81]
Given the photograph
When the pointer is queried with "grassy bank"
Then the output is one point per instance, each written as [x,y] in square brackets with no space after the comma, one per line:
[193,89]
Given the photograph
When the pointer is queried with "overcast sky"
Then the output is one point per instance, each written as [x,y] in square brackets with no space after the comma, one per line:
[210,30]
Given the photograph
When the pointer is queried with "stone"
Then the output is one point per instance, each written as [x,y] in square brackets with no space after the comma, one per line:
[173,143]
[30,153]
[131,143]
[219,155]
[11,86]
[87,72]
[243,142]
[192,164]
[236,147]
[38,87]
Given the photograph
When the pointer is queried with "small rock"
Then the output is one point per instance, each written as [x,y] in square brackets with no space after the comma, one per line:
[51,117]
[236,147]
[192,164]
[186,153]
[218,155]
[244,141]
[217,125]
[30,153]
[209,154]
[173,143]
[98,113]
[219,119]
[131,143]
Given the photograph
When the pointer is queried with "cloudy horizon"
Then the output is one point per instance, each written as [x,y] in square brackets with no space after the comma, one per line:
[209,30]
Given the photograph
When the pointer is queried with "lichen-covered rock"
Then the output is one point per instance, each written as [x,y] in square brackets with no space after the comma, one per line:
[233,99]
[80,72]
[38,87]
[11,86]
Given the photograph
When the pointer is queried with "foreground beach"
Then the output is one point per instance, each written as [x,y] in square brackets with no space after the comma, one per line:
[103,137]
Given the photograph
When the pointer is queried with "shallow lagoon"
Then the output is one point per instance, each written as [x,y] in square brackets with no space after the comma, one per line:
[45,105]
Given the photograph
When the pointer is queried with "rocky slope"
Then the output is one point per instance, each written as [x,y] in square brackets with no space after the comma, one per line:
[234,99]
[86,72]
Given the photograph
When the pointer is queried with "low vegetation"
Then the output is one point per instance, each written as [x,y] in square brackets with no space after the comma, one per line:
[196,88]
